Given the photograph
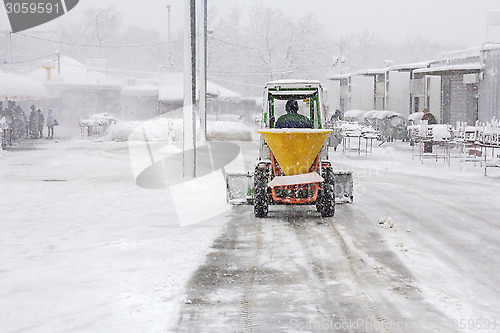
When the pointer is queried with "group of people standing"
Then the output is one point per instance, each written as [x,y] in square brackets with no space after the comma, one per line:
[17,126]
[35,123]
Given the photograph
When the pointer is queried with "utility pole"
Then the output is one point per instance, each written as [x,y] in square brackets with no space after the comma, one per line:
[169,59]
[10,50]
[202,65]
[189,114]
[193,79]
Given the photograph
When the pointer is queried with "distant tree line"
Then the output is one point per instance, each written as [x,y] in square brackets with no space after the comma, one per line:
[247,46]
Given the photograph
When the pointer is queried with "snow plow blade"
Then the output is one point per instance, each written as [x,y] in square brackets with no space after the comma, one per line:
[343,187]
[239,187]
[295,149]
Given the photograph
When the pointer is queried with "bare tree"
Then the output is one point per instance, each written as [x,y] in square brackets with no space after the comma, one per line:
[366,50]
[266,44]
[101,26]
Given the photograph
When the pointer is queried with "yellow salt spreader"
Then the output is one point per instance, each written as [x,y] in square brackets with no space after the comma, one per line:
[296,174]
[293,166]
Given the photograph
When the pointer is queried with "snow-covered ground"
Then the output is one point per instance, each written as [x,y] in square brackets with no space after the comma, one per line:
[82,248]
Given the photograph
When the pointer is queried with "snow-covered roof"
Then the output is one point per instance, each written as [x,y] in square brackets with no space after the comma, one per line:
[490,46]
[20,87]
[289,92]
[73,72]
[140,90]
[411,66]
[461,54]
[374,71]
[221,92]
[339,76]
[472,67]
[172,89]
[171,93]
[292,81]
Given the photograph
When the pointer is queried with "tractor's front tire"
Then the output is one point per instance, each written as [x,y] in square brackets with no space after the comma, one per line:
[260,203]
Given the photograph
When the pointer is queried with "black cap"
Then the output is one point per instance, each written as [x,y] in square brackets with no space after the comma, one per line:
[292,106]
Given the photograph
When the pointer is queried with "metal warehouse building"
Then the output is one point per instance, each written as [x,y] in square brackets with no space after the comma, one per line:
[460,86]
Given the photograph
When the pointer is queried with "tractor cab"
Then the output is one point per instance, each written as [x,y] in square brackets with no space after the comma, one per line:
[309,97]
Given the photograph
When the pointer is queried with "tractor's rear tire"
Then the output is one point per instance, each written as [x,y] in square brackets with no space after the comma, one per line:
[326,201]
[260,203]
[325,204]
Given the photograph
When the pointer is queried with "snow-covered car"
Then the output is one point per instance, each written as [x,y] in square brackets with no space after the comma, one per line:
[97,124]
[103,117]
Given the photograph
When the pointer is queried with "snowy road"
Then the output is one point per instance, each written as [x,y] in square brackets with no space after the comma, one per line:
[431,264]
[294,271]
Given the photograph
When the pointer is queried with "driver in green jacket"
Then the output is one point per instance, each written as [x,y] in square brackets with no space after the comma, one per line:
[292,119]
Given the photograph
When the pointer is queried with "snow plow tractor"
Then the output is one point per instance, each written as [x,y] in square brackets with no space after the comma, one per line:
[293,166]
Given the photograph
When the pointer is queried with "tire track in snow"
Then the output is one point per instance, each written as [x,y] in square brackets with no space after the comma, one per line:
[293,269]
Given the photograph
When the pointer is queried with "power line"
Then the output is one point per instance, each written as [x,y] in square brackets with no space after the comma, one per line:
[269,73]
[323,46]
[30,60]
[94,45]
[236,44]
[241,83]
[111,69]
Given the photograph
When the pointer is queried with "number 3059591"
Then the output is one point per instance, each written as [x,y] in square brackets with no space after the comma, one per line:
[32,7]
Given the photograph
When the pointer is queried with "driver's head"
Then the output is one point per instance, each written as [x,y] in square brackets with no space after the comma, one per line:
[292,106]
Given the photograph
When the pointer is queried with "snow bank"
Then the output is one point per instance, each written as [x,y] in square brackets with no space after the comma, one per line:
[163,129]
[160,129]
[121,131]
[228,131]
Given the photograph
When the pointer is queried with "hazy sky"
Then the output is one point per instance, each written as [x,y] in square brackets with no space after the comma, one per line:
[456,21]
